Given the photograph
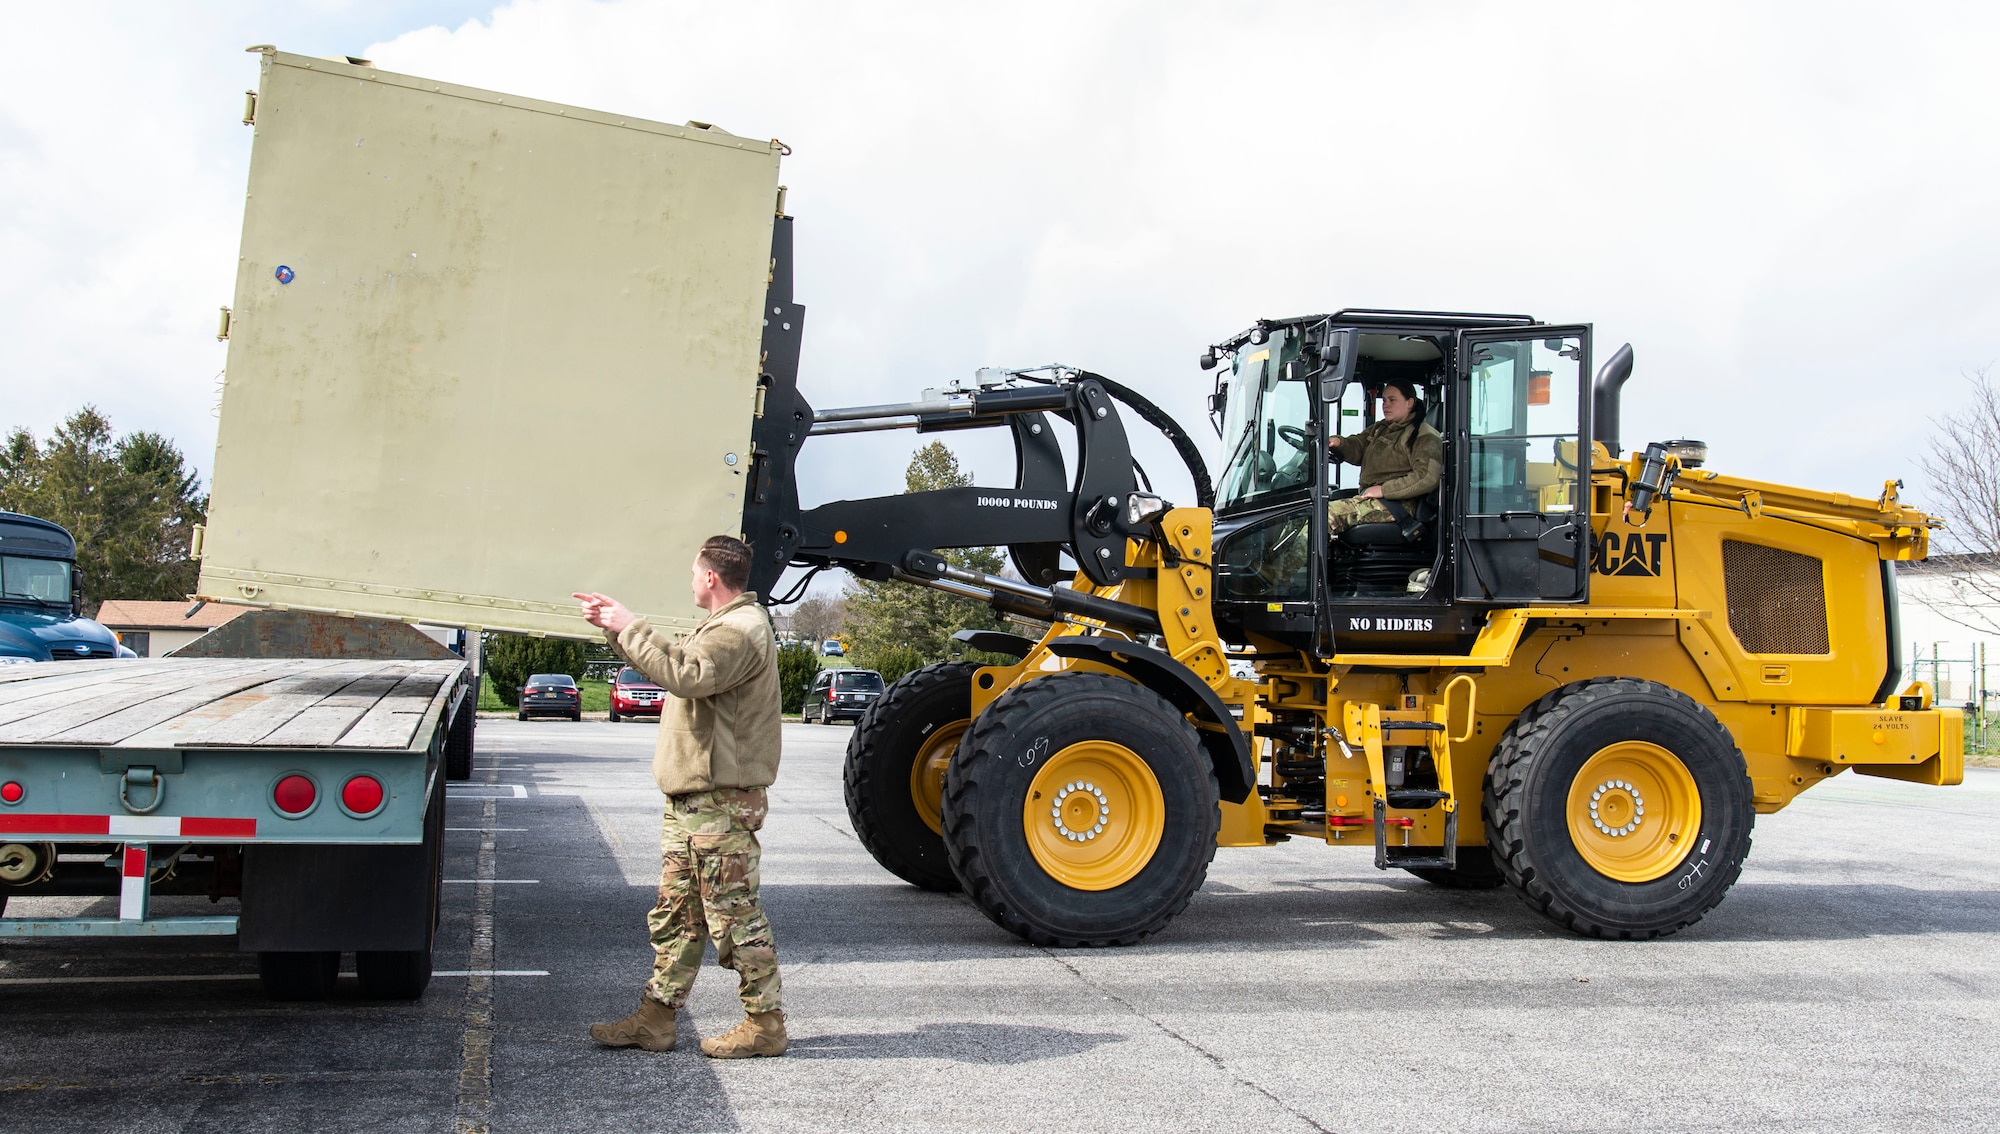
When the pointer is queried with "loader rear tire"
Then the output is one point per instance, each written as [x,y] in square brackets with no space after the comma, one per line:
[1080,810]
[894,777]
[1568,793]
[1475,871]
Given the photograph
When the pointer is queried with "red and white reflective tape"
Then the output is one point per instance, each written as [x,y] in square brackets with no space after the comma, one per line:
[132,884]
[129,826]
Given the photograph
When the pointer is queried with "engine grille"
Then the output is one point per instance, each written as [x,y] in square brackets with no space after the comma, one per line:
[1777,599]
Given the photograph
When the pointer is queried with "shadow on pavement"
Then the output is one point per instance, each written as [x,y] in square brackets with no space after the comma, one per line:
[959,1042]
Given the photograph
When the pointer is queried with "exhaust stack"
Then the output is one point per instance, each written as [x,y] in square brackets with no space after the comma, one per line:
[1604,397]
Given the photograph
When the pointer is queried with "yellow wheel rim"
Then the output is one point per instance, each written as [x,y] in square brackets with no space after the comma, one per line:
[927,773]
[1634,811]
[1094,815]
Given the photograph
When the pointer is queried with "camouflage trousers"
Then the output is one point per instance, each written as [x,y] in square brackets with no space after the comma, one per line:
[708,890]
[1344,514]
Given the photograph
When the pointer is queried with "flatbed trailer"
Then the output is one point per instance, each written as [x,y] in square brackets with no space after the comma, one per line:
[310,789]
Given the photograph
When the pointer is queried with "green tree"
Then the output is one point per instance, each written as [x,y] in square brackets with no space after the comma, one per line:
[798,664]
[510,659]
[130,501]
[894,624]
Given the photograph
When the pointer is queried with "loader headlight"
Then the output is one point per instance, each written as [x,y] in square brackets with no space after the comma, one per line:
[1143,509]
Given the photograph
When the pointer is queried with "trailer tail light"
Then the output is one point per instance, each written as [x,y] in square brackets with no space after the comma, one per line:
[294,795]
[362,796]
[11,792]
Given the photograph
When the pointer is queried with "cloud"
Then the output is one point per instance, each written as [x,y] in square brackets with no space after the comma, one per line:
[1784,208]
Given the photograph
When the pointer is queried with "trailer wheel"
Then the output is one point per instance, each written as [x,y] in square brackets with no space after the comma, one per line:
[403,974]
[894,777]
[1619,807]
[298,976]
[1475,871]
[1081,809]
[458,739]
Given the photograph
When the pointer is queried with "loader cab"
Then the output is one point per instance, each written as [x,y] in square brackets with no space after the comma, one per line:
[1507,524]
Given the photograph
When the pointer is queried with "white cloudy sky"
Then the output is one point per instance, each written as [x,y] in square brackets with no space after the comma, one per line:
[1787,209]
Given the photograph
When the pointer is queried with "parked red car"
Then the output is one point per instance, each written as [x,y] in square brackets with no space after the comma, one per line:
[634,696]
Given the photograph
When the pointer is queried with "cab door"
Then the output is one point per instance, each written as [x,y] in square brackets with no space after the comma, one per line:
[1522,465]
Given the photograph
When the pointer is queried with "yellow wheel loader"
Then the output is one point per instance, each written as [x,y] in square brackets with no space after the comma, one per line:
[1571,670]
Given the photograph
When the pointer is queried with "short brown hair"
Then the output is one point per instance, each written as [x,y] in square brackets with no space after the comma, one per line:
[729,558]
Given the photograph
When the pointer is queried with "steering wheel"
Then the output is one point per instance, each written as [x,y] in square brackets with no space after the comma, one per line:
[1295,437]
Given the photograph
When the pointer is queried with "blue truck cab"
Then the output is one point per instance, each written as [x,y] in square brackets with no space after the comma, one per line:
[41,597]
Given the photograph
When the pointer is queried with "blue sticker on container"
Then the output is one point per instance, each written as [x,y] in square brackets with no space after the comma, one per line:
[285,275]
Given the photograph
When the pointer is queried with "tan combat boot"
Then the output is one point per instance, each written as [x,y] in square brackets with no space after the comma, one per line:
[760,1033]
[651,1028]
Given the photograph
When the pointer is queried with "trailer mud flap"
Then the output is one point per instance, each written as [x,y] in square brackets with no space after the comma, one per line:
[305,898]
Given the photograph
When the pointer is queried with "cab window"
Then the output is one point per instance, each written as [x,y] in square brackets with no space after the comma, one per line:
[1522,436]
[1266,425]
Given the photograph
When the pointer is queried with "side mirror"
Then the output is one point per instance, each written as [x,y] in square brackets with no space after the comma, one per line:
[1342,353]
[75,591]
[1208,359]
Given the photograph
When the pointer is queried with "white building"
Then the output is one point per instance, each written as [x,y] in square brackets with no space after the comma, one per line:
[1950,608]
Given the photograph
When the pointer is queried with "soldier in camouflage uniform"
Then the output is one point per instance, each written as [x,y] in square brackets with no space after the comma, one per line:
[717,752]
[708,869]
[1401,458]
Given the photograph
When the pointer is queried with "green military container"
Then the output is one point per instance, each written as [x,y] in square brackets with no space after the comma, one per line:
[484,351]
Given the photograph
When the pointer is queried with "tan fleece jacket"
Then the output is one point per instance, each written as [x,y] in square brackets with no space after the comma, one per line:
[720,722]
[1405,471]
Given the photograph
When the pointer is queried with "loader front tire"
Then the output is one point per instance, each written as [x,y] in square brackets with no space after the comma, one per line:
[1619,807]
[1081,809]
[894,777]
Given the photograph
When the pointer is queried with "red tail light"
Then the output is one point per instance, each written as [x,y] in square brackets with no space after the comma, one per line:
[294,795]
[362,795]
[12,792]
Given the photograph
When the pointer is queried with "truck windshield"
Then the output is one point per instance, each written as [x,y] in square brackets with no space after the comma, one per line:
[34,580]
[1264,425]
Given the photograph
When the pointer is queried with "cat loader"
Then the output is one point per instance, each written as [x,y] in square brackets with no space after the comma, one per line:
[1575,670]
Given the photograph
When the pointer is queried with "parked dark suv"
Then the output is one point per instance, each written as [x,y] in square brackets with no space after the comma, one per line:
[551,695]
[841,694]
[634,696]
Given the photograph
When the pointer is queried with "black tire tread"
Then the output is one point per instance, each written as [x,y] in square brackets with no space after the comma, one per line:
[1506,780]
[856,775]
[963,788]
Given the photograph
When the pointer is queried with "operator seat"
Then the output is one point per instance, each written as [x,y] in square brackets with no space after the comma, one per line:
[1377,559]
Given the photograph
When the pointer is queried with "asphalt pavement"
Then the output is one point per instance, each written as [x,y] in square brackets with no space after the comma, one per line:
[1849,982]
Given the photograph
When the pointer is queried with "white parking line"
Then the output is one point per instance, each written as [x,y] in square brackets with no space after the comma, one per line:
[166,978]
[177,978]
[463,786]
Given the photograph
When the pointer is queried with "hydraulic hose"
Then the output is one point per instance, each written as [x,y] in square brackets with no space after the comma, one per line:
[1204,489]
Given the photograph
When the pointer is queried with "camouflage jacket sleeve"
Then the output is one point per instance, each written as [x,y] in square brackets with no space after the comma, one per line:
[713,659]
[1426,468]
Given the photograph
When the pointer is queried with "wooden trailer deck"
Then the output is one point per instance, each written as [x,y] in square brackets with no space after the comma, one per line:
[179,703]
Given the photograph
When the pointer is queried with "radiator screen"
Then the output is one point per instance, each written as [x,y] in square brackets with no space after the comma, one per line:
[1777,599]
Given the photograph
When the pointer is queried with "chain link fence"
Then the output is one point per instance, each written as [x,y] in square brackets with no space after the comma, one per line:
[1963,682]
